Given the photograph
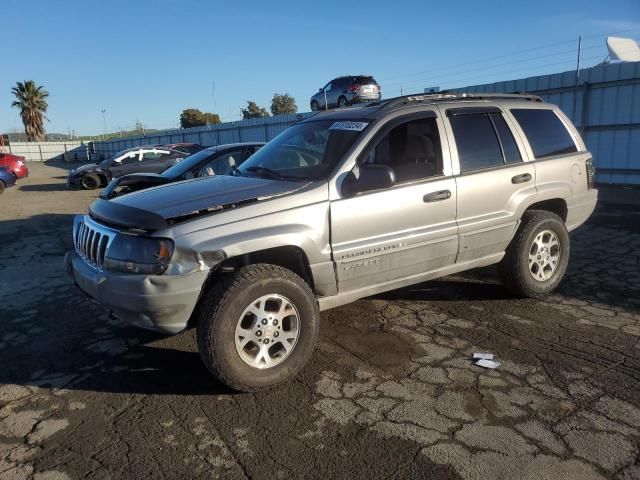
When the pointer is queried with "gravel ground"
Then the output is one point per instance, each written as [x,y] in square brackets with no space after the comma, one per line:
[389,393]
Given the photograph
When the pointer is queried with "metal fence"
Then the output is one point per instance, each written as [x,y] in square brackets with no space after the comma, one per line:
[254,130]
[604,104]
[41,151]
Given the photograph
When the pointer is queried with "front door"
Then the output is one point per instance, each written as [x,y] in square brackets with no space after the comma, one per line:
[128,164]
[493,183]
[381,237]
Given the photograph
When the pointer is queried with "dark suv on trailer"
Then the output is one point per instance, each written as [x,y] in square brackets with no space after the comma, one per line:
[344,91]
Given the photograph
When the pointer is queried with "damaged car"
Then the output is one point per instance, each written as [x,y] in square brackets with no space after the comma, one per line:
[219,160]
[132,160]
[343,205]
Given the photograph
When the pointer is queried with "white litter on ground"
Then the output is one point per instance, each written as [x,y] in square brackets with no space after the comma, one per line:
[487,363]
[485,360]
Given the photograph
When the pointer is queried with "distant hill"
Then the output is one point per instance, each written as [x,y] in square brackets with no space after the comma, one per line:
[61,137]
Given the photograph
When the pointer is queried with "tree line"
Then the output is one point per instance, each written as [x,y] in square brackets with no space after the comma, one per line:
[280,104]
[31,100]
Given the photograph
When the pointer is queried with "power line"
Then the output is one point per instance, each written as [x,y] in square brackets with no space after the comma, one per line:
[519,52]
[436,77]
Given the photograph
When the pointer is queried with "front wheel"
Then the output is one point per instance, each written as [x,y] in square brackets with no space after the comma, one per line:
[258,327]
[90,181]
[315,106]
[537,257]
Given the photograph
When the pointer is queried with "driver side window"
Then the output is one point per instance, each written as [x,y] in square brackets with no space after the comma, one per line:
[412,149]
[131,158]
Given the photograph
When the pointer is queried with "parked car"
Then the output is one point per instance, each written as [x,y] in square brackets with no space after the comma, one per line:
[188,148]
[344,91]
[220,160]
[133,160]
[343,205]
[15,164]
[7,179]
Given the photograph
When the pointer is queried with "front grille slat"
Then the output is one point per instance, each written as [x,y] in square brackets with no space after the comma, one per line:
[91,244]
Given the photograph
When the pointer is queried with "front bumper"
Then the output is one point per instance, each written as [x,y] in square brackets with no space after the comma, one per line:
[73,180]
[158,302]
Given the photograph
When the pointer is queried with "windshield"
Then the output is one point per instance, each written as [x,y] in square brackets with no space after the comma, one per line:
[306,151]
[188,163]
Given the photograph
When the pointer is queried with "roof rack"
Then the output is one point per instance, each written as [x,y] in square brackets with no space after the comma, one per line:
[431,97]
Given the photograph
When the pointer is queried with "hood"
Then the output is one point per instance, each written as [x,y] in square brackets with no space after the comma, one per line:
[132,183]
[86,168]
[205,195]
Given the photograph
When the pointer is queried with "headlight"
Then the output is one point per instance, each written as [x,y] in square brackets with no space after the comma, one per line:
[132,254]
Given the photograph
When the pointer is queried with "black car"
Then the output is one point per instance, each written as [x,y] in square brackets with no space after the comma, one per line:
[219,160]
[133,160]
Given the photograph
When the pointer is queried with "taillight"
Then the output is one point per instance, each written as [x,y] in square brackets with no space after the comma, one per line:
[353,88]
[590,172]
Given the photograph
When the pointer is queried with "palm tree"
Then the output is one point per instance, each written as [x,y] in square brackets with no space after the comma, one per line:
[31,101]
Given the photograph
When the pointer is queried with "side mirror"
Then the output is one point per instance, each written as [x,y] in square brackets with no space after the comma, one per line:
[320,89]
[372,177]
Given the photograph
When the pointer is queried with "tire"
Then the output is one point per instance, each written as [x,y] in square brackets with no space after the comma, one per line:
[527,269]
[342,102]
[90,181]
[315,106]
[2,187]
[222,317]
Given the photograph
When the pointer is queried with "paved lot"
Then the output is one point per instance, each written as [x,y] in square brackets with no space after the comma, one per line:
[389,393]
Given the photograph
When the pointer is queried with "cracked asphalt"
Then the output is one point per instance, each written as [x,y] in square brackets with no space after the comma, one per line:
[389,393]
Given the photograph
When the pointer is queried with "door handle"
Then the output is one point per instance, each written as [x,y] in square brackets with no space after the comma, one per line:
[523,178]
[436,196]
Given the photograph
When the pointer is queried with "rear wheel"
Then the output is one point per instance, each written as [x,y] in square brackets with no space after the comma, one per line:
[258,327]
[315,106]
[90,181]
[342,102]
[537,258]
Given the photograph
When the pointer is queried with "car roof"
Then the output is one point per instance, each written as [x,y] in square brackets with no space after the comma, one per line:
[381,108]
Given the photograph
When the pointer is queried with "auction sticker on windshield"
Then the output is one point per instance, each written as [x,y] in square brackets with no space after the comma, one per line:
[353,126]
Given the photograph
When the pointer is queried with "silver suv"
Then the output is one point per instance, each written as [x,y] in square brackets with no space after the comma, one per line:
[345,91]
[343,205]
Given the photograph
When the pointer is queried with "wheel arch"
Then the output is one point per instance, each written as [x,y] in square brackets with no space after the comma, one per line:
[553,205]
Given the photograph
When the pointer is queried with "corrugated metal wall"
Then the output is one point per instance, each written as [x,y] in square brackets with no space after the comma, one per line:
[254,130]
[605,106]
[606,111]
[41,151]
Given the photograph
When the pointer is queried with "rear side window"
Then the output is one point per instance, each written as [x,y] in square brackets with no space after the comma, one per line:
[477,142]
[547,135]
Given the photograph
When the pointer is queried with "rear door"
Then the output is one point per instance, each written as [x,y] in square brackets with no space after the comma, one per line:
[381,237]
[492,180]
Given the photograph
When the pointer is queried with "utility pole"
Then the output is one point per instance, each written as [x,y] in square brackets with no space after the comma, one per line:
[104,124]
[575,84]
[213,92]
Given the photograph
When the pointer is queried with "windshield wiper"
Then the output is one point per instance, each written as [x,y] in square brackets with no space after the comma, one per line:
[274,173]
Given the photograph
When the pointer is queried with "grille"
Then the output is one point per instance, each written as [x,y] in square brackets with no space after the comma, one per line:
[91,243]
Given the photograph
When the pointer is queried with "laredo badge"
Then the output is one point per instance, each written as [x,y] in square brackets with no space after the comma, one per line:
[352,126]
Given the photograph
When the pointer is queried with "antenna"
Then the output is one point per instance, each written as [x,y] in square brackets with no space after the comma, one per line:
[623,49]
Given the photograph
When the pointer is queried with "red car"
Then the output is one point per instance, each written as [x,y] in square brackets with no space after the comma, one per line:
[14,164]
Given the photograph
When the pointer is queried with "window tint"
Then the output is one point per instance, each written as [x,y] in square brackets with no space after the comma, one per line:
[477,142]
[411,149]
[509,146]
[129,159]
[546,133]
[224,164]
[146,156]
[364,80]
